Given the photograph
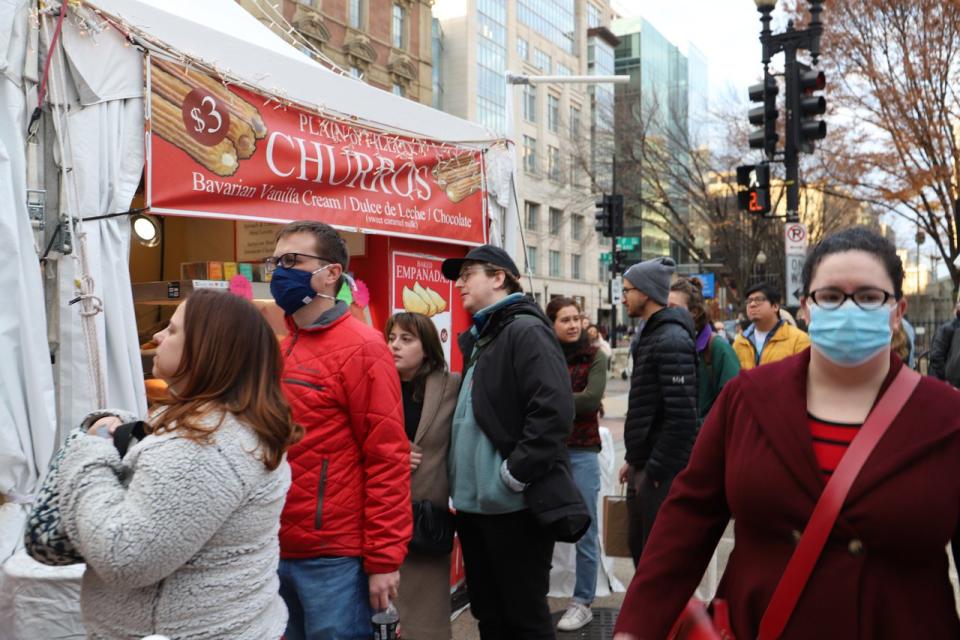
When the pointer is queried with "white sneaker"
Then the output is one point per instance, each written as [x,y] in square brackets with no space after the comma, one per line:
[576,617]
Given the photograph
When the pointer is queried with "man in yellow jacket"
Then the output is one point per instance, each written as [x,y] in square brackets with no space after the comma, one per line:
[769,338]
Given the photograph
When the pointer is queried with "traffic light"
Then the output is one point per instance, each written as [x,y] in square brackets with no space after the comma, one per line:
[753,194]
[764,116]
[602,225]
[809,106]
[610,216]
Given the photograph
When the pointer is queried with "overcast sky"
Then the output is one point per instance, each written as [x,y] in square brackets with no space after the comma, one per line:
[726,31]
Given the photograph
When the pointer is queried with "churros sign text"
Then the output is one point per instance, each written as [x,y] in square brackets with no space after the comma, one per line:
[221,151]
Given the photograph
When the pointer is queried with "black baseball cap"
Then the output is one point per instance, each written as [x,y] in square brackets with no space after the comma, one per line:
[487,254]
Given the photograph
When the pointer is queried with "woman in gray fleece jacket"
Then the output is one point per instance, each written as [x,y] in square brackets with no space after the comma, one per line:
[180,536]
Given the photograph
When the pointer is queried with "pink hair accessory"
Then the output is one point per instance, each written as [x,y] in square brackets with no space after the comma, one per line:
[361,293]
[240,285]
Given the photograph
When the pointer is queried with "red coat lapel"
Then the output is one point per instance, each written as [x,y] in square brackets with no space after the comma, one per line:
[776,395]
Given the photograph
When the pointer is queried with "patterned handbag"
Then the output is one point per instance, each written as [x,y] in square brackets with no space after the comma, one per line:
[45,538]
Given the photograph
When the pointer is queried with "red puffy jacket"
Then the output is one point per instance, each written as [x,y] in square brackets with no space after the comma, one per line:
[350,494]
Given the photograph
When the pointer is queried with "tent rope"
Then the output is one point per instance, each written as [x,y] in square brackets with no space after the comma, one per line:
[90,304]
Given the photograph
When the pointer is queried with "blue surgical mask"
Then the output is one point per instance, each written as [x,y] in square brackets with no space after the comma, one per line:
[291,288]
[848,335]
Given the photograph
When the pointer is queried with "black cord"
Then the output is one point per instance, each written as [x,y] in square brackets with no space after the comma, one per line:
[130,212]
[53,239]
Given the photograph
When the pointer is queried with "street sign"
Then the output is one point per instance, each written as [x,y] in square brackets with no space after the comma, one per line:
[605,257]
[794,283]
[626,244]
[616,291]
[795,238]
[709,282]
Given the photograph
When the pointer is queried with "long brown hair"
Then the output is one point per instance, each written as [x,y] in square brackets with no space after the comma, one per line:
[231,362]
[422,327]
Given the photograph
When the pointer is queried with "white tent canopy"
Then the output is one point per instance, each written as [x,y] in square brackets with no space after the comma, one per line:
[226,37]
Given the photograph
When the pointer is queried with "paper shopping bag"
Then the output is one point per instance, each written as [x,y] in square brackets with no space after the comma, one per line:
[615,521]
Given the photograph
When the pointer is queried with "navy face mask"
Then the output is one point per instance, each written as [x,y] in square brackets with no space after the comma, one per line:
[291,288]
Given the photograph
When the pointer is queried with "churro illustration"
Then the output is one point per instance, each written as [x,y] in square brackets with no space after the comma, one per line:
[238,107]
[167,122]
[462,166]
[173,88]
[460,189]
[423,300]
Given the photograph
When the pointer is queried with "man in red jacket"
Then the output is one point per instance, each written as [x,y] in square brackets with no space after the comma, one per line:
[347,520]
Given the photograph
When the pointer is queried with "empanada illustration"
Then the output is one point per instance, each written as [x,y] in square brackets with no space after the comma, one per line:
[414,303]
[438,302]
[420,291]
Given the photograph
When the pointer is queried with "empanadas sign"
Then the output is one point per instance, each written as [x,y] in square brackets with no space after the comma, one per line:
[217,150]
[418,286]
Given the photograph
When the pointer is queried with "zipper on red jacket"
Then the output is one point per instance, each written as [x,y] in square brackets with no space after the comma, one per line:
[293,342]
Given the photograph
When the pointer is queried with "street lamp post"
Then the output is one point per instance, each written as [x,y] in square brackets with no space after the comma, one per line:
[789,42]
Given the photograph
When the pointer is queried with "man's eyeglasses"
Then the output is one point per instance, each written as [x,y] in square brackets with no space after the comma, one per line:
[289,260]
[867,298]
[627,290]
[755,301]
[466,272]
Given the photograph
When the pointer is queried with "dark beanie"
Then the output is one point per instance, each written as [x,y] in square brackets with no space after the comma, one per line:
[653,277]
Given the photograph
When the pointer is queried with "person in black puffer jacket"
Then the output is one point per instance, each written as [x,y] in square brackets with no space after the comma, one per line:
[661,423]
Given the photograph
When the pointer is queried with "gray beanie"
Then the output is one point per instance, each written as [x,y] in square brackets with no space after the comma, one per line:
[653,277]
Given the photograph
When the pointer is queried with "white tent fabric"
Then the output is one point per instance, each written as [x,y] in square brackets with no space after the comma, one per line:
[225,36]
[27,421]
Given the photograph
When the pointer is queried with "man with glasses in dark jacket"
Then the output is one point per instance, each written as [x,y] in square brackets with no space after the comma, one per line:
[661,422]
[513,416]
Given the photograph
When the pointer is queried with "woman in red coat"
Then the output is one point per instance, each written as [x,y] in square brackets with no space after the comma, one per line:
[766,451]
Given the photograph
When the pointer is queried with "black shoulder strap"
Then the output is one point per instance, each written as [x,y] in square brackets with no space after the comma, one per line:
[127,432]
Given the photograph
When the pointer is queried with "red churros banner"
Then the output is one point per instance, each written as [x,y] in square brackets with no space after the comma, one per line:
[225,152]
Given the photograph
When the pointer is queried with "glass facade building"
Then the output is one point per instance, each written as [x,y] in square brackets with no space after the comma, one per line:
[555,20]
[667,91]
[492,64]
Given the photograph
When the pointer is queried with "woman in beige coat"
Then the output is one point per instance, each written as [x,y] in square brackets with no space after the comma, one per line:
[429,399]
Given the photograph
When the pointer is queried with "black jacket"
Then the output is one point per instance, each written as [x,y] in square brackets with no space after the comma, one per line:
[940,348]
[661,422]
[522,399]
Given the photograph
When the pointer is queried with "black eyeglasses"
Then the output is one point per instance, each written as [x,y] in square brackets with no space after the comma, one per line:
[289,260]
[867,298]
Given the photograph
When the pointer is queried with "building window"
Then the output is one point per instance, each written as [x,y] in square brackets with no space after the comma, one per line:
[555,269]
[563,70]
[355,16]
[594,16]
[530,155]
[555,20]
[553,113]
[556,221]
[398,90]
[542,61]
[532,259]
[554,172]
[533,215]
[576,226]
[574,122]
[575,267]
[399,26]
[523,48]
[491,64]
[529,103]
[575,177]
[355,72]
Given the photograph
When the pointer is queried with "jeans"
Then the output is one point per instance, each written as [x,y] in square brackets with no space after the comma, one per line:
[507,561]
[328,599]
[585,466]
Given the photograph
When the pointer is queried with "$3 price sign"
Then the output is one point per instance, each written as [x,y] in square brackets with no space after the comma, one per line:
[206,120]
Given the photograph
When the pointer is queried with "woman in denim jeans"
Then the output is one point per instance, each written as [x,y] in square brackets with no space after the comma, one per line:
[588,376]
